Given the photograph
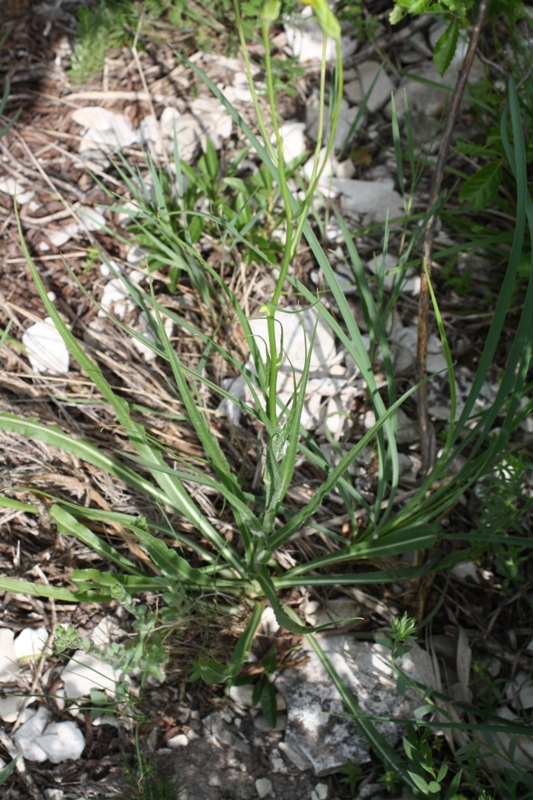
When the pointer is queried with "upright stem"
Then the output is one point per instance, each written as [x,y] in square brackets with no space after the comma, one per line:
[427,435]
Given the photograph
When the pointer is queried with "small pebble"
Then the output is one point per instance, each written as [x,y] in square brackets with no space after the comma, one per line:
[322,791]
[178,741]
[263,787]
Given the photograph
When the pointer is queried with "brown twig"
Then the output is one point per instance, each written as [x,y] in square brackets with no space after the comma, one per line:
[427,435]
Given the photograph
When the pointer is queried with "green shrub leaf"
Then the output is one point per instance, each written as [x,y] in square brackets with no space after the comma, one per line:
[482,187]
[446,47]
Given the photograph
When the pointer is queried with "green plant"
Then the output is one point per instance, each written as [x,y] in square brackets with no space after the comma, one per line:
[6,771]
[144,781]
[459,14]
[248,570]
[168,219]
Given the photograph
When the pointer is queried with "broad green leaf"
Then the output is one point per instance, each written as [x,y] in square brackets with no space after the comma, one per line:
[482,187]
[446,46]
[269,703]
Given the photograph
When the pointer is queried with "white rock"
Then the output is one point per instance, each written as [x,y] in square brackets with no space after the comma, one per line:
[327,168]
[85,672]
[436,361]
[375,199]
[519,746]
[322,791]
[30,643]
[187,130]
[242,695]
[44,247]
[263,787]
[93,219]
[107,631]
[354,92]
[61,741]
[269,622]
[383,86]
[292,135]
[116,300]
[8,657]
[345,169]
[296,327]
[178,741]
[34,724]
[277,763]
[519,691]
[304,37]
[339,608]
[54,794]
[347,116]
[214,120]
[10,706]
[294,756]
[328,739]
[45,348]
[113,129]
[64,234]
[136,255]
[12,187]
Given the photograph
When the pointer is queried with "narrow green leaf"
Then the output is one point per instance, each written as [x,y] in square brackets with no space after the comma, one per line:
[18,586]
[69,526]
[8,502]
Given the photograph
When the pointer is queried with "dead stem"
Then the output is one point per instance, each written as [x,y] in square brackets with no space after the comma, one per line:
[427,434]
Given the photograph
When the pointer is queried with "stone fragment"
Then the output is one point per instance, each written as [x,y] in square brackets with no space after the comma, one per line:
[45,348]
[10,706]
[318,728]
[293,138]
[321,791]
[61,741]
[104,127]
[305,39]
[374,199]
[64,234]
[84,672]
[242,695]
[263,787]
[116,300]
[354,92]
[295,756]
[295,328]
[347,115]
[30,643]
[180,740]
[220,730]
[92,218]
[15,189]
[187,130]
[34,724]
[215,122]
[263,725]
[8,657]
[380,93]
[54,794]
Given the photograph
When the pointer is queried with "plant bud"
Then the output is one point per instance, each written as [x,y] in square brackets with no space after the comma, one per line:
[326,18]
[270,11]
